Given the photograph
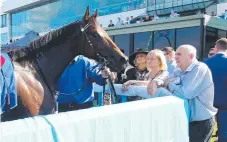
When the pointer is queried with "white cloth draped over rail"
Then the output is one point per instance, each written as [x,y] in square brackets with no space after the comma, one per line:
[161,119]
[142,92]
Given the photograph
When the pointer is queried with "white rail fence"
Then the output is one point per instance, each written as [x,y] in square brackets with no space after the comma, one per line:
[163,119]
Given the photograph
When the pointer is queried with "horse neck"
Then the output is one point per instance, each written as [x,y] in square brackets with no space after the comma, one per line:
[52,62]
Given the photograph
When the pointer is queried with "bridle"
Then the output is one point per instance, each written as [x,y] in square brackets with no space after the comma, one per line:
[103,62]
[101,65]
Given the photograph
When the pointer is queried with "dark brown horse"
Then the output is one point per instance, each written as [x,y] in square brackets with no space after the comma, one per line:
[38,67]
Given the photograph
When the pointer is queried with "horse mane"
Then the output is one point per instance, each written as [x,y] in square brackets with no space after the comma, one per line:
[45,42]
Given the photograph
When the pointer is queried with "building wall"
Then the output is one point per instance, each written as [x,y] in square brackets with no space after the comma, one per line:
[17,5]
[45,15]
[221,8]
[54,15]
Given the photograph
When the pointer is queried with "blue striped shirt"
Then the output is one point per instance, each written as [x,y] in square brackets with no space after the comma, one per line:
[196,85]
[172,65]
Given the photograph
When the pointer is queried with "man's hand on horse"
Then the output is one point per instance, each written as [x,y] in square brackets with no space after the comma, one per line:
[105,73]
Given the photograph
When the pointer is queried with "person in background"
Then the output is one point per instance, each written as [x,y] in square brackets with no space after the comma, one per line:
[211,53]
[224,15]
[139,71]
[111,24]
[157,67]
[127,21]
[218,66]
[80,74]
[170,54]
[119,22]
[173,14]
[212,13]
[147,18]
[155,17]
[193,82]
[132,20]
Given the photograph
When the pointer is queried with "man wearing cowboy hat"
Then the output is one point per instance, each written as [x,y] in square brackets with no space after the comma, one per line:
[139,71]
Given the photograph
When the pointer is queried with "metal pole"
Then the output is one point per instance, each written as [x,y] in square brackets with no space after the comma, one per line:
[9,26]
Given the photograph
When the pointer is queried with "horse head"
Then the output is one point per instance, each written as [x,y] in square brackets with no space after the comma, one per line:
[98,43]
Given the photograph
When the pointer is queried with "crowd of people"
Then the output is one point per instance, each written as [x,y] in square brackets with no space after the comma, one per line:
[146,18]
[154,17]
[203,84]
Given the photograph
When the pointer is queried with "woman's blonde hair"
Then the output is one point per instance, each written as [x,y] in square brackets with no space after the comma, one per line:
[161,58]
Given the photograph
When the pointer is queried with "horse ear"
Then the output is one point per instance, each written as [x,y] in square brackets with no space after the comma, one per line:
[87,14]
[96,13]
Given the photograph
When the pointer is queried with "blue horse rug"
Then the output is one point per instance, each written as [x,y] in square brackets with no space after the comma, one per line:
[8,91]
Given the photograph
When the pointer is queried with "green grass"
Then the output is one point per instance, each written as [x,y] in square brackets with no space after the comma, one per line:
[214,139]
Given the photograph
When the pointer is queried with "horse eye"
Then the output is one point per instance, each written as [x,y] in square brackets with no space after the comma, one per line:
[95,34]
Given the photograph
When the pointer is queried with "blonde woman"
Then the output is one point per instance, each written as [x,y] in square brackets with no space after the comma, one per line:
[157,67]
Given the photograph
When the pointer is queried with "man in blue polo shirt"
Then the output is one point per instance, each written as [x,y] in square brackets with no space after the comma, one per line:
[80,74]
[218,67]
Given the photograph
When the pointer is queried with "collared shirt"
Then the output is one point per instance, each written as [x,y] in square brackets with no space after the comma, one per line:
[119,23]
[7,85]
[173,15]
[172,65]
[132,21]
[196,85]
[155,18]
[82,72]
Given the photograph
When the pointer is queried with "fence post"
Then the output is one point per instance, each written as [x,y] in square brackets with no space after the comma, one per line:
[124,99]
[100,99]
